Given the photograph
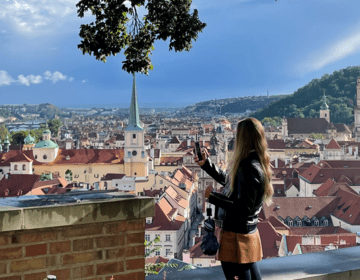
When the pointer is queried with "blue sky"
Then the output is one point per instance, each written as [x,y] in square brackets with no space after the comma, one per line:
[247,48]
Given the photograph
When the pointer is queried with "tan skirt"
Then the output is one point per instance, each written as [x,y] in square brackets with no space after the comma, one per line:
[239,248]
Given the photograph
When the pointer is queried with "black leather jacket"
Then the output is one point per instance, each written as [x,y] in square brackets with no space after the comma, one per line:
[244,203]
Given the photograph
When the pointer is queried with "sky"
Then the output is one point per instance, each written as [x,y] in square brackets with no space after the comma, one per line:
[248,47]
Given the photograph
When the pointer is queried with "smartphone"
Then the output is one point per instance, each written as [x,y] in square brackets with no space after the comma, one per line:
[198,151]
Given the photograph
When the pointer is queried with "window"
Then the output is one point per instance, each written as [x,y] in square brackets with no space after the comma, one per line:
[199,264]
[291,223]
[147,251]
[157,253]
[316,223]
[168,237]
[129,154]
[299,223]
[142,154]
[44,156]
[326,223]
[134,136]
[167,251]
[147,237]
[157,235]
[24,167]
[15,167]
[35,156]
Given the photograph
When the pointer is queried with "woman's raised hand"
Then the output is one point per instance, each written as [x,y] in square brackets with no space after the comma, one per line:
[204,154]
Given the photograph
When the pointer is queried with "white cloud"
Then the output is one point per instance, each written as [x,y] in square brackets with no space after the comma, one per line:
[5,78]
[31,79]
[337,51]
[36,15]
[83,81]
[54,77]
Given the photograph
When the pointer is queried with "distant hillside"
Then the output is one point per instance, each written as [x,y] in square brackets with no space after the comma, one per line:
[231,105]
[340,90]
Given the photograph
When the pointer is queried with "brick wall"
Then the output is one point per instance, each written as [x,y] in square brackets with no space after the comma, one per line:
[75,252]
[76,241]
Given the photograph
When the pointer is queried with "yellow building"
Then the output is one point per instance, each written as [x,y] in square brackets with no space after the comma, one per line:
[88,165]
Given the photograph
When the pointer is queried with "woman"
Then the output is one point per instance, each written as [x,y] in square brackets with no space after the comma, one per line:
[245,190]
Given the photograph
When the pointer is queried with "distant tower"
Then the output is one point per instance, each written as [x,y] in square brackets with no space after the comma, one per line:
[6,144]
[357,112]
[29,142]
[324,110]
[136,158]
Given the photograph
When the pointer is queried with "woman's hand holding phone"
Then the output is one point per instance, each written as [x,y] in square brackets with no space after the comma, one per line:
[204,154]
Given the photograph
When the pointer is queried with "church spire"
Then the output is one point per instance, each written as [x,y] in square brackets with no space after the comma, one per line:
[134,119]
[324,106]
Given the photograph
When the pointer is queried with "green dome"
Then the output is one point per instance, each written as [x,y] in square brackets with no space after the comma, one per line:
[7,140]
[29,140]
[46,144]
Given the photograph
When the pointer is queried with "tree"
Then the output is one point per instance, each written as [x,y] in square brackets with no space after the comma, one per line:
[3,133]
[37,133]
[117,27]
[151,268]
[17,138]
[54,126]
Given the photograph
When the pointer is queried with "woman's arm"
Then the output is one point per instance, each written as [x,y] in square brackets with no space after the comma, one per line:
[215,172]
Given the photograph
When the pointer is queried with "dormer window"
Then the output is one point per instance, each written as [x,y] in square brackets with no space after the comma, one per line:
[15,167]
[24,167]
[149,220]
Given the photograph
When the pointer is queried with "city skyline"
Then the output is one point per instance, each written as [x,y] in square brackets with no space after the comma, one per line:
[248,48]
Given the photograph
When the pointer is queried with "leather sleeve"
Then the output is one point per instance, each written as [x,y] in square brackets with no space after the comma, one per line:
[215,171]
[221,200]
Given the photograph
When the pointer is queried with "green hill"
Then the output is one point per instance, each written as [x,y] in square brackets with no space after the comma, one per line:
[340,90]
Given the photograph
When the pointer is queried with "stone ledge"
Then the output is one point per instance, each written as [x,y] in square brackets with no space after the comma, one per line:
[114,208]
[328,265]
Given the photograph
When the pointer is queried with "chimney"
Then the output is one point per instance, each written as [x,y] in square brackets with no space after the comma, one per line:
[188,142]
[350,150]
[276,162]
[356,150]
[152,152]
[203,142]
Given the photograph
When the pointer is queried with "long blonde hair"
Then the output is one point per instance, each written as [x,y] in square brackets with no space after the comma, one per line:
[250,136]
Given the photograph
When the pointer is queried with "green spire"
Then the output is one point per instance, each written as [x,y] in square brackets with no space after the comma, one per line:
[134,119]
[324,106]
[7,139]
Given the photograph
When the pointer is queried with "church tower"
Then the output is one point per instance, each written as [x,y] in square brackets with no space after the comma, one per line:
[324,110]
[357,112]
[135,156]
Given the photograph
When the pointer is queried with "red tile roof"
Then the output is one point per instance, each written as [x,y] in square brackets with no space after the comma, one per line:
[299,206]
[18,184]
[319,248]
[277,224]
[269,239]
[348,208]
[333,145]
[161,219]
[276,144]
[54,182]
[76,156]
[318,231]
[176,197]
